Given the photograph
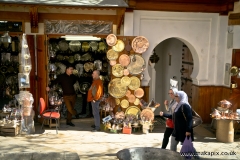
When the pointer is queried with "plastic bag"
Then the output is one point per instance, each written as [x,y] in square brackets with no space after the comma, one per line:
[187,149]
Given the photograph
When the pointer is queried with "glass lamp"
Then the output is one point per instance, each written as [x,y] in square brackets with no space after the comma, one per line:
[6,39]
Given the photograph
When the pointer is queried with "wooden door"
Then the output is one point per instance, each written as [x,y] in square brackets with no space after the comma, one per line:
[41,67]
[235,92]
[186,71]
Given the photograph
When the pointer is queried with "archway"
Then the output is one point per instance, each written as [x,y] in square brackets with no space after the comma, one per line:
[178,60]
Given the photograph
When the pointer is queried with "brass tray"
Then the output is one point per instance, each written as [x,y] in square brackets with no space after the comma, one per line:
[84,87]
[136,102]
[139,93]
[136,67]
[124,60]
[135,83]
[128,93]
[117,101]
[131,98]
[119,46]
[124,103]
[89,66]
[63,45]
[111,39]
[60,57]
[147,115]
[75,46]
[71,59]
[85,46]
[133,110]
[77,57]
[112,55]
[140,44]
[117,70]
[86,57]
[94,46]
[125,72]
[125,80]
[116,89]
[102,47]
[113,62]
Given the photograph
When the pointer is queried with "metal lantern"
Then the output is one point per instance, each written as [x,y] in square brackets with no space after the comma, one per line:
[6,39]
[154,57]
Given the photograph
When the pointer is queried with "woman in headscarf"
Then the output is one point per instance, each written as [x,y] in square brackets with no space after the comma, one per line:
[182,118]
[170,106]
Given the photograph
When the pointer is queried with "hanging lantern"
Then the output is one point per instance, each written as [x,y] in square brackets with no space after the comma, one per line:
[154,57]
[6,39]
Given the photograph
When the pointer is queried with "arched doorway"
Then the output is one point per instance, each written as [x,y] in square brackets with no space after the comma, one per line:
[176,62]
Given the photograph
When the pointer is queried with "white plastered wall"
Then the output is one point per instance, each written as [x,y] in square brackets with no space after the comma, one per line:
[204,34]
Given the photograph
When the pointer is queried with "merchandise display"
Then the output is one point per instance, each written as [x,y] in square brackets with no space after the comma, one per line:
[125,85]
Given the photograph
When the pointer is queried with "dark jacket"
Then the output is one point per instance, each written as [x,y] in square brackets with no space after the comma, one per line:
[66,82]
[181,125]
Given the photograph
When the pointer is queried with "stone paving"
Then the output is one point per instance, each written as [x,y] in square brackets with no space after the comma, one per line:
[104,145]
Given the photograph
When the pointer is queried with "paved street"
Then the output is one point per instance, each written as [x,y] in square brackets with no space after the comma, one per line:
[102,145]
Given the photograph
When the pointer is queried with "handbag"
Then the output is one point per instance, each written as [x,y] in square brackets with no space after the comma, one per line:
[169,123]
[196,119]
[187,149]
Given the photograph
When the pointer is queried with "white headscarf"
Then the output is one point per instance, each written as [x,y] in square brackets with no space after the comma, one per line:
[174,90]
[183,99]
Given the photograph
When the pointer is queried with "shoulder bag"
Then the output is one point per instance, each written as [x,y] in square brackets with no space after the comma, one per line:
[196,119]
[169,123]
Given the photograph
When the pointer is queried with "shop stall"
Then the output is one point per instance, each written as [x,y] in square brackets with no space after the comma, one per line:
[17,116]
[127,110]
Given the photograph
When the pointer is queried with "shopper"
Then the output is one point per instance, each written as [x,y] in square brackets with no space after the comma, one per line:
[170,106]
[182,118]
[67,80]
[95,93]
